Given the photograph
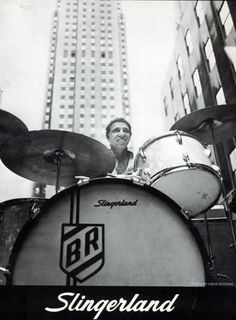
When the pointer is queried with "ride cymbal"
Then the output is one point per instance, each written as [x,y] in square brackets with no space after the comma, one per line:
[10,126]
[221,118]
[35,156]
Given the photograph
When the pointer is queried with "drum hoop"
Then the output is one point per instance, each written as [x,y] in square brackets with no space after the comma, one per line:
[167,134]
[22,200]
[202,167]
[44,210]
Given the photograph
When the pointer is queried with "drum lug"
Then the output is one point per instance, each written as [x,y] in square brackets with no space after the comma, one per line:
[35,210]
[178,137]
[143,155]
[216,168]
[138,180]
[207,152]
[186,159]
[5,271]
[147,174]
[186,213]
[82,179]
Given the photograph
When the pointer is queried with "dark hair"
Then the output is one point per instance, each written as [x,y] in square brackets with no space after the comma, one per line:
[108,127]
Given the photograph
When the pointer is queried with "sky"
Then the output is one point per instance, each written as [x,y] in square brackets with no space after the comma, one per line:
[24,53]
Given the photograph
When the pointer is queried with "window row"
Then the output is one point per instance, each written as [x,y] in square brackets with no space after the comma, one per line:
[219,97]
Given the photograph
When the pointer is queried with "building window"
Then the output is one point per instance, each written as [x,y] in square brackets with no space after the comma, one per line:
[186,103]
[180,67]
[209,54]
[226,18]
[177,117]
[197,83]
[199,12]
[171,88]
[188,41]
[166,107]
[220,97]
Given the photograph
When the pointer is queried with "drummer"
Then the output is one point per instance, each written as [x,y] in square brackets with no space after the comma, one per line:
[118,133]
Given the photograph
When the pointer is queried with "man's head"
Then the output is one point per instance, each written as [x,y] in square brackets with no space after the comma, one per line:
[118,133]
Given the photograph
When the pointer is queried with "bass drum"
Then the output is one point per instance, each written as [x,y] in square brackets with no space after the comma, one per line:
[109,232]
[13,216]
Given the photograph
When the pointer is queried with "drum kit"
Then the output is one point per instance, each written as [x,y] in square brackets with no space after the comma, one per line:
[134,230]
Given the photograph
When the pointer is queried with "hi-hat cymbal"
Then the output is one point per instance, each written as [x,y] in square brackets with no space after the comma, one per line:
[221,117]
[10,126]
[34,156]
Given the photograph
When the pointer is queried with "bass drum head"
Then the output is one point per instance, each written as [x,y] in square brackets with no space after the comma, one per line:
[194,189]
[109,232]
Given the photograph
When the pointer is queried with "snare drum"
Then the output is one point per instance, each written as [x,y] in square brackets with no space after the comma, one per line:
[109,232]
[13,216]
[179,165]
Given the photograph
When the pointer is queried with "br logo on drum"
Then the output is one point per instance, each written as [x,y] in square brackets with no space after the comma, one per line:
[82,250]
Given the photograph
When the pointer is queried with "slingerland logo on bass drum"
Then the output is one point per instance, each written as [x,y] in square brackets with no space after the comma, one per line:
[82,250]
[112,204]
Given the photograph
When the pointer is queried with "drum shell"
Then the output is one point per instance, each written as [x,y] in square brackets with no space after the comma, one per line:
[14,214]
[150,244]
[178,165]
[167,151]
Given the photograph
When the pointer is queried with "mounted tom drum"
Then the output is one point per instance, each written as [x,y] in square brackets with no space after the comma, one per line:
[179,165]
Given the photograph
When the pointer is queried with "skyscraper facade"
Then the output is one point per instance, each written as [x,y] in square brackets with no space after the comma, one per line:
[200,72]
[88,76]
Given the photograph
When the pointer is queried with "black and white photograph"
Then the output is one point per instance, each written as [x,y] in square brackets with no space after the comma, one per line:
[117,159]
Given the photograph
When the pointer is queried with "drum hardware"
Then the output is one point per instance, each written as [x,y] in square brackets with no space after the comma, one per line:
[186,213]
[5,271]
[35,210]
[186,159]
[178,137]
[147,175]
[217,169]
[213,125]
[82,179]
[178,171]
[211,258]
[55,157]
[137,180]
[207,152]
[10,126]
[142,154]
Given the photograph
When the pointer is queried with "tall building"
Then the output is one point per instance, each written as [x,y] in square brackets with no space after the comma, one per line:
[88,76]
[200,72]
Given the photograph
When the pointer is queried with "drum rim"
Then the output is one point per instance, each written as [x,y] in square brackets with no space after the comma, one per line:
[45,207]
[167,134]
[23,200]
[202,167]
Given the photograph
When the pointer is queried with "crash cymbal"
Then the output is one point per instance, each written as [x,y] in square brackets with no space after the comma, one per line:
[34,156]
[222,118]
[10,126]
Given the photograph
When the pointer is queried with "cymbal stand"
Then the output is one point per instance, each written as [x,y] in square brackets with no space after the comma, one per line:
[228,212]
[55,157]
[211,257]
[58,155]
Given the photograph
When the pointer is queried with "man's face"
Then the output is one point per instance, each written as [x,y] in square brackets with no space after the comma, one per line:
[119,135]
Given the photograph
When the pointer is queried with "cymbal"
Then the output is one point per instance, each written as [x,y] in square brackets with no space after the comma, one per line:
[34,156]
[10,126]
[222,118]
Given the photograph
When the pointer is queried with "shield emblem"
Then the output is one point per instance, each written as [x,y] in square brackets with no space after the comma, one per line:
[82,250]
